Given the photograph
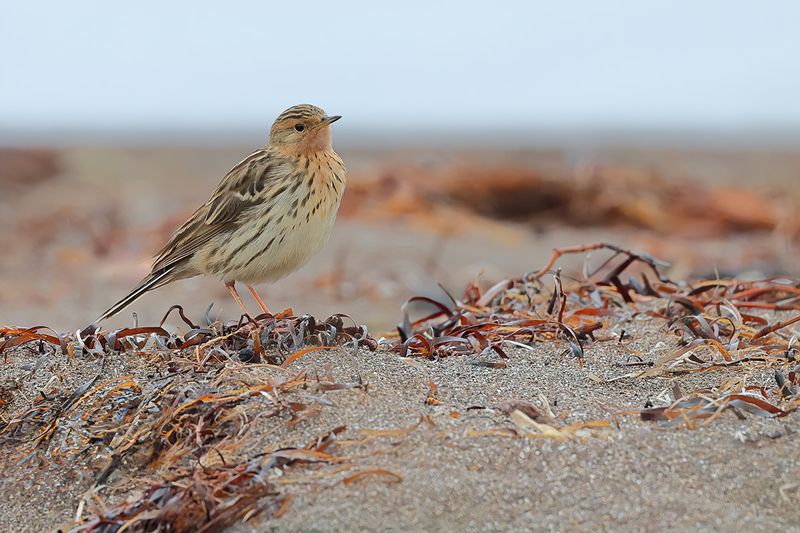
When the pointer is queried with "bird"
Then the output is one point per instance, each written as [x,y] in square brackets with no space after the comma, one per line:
[267,217]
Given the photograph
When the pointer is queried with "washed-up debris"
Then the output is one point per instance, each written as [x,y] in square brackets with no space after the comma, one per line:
[187,425]
[285,332]
[701,406]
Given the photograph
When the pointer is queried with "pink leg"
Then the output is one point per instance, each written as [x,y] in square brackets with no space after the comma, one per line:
[259,301]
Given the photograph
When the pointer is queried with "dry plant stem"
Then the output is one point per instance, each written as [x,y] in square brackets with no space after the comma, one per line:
[558,252]
[259,301]
[775,327]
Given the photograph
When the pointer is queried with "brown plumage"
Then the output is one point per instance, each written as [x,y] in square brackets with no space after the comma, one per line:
[268,216]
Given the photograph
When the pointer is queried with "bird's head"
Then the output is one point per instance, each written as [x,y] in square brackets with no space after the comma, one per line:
[302,129]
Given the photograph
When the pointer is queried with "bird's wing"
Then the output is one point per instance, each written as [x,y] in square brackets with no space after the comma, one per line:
[240,189]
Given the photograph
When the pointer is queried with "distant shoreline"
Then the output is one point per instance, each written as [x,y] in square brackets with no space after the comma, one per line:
[490,139]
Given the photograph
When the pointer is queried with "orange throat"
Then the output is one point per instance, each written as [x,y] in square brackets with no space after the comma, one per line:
[317,140]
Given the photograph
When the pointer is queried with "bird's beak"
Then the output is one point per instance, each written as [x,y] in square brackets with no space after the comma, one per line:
[330,120]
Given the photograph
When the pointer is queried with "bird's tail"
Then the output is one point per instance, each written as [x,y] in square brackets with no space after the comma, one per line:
[152,281]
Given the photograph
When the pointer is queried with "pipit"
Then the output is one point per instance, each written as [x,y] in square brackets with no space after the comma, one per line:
[268,216]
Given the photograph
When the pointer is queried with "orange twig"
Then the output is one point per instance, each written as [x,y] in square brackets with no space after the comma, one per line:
[558,252]
[775,327]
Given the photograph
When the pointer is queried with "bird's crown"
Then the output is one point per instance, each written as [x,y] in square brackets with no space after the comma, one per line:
[300,112]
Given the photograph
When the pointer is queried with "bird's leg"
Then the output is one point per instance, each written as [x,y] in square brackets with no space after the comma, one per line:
[259,301]
[232,288]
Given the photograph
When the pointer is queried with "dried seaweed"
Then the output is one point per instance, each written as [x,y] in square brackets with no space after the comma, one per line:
[524,310]
[710,319]
[286,333]
[208,499]
[529,428]
[187,425]
[388,475]
[704,405]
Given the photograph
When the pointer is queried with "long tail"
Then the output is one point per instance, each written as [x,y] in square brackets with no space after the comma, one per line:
[152,281]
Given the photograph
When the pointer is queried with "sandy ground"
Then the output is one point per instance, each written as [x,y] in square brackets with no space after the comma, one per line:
[462,467]
[453,459]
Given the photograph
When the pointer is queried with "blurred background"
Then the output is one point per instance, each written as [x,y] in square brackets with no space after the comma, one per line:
[477,137]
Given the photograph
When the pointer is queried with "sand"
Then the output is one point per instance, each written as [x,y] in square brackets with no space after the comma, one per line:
[460,464]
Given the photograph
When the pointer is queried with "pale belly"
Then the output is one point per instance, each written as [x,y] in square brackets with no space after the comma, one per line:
[273,255]
[271,262]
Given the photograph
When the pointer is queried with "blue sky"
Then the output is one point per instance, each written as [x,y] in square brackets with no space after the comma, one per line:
[612,63]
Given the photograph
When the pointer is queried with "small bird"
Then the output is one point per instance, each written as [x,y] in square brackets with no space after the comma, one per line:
[267,217]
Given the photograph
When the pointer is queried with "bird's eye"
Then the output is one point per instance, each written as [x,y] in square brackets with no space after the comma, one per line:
[299,127]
